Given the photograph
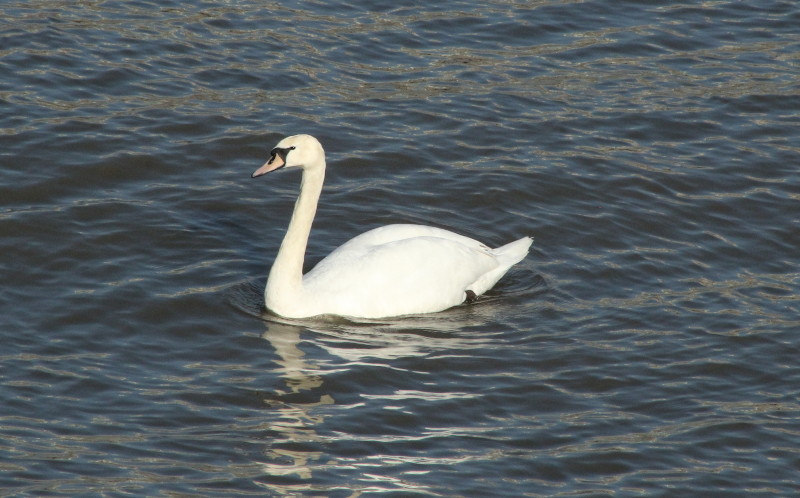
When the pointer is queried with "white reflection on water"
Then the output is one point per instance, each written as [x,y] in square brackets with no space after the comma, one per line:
[296,420]
[308,350]
[294,453]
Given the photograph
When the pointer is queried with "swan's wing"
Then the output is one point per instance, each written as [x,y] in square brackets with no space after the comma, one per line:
[408,275]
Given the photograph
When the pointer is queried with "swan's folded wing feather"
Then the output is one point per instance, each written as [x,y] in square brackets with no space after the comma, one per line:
[410,275]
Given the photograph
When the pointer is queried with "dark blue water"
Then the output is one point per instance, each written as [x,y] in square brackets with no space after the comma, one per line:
[647,346]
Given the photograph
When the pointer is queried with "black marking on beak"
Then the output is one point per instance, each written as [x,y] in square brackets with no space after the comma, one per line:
[279,151]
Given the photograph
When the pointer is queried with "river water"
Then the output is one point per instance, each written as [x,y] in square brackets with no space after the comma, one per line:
[648,345]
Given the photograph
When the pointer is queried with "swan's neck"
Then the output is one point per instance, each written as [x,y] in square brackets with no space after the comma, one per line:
[285,281]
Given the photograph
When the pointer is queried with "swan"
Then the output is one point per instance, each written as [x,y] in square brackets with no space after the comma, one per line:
[388,271]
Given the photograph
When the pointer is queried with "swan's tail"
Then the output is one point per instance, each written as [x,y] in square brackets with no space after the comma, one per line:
[513,252]
[507,256]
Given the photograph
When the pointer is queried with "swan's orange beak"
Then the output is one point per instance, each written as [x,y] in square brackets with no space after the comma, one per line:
[275,162]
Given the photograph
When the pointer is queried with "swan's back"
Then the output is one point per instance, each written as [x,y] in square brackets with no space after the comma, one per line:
[393,233]
[406,269]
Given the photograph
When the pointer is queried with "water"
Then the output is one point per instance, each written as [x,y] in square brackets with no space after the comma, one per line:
[647,346]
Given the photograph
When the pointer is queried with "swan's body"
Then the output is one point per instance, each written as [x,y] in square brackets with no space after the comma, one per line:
[388,271]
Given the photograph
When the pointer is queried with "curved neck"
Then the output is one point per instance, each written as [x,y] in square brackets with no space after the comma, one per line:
[286,276]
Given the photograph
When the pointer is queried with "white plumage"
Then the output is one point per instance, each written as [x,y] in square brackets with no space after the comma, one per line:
[388,271]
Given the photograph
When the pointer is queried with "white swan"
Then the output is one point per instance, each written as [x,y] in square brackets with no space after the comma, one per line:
[388,271]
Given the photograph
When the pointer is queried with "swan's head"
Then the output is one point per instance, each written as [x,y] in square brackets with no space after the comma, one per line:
[303,151]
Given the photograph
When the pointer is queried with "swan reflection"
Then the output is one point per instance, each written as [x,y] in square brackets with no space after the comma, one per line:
[296,419]
[309,351]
